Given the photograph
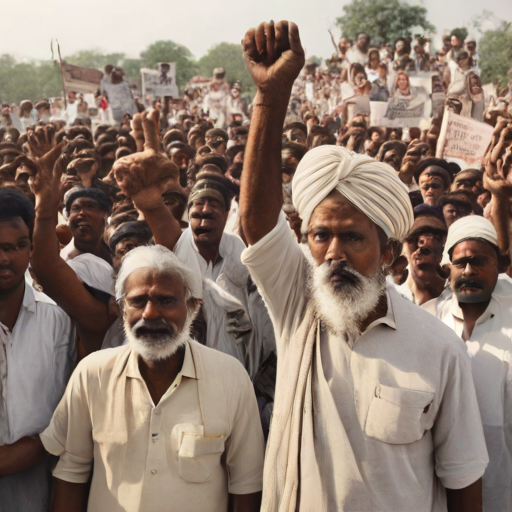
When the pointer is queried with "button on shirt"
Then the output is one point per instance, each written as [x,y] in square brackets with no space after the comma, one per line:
[202,441]
[36,360]
[490,347]
[395,416]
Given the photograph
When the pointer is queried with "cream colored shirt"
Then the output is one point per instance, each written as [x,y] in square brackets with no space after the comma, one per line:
[490,347]
[202,441]
[395,417]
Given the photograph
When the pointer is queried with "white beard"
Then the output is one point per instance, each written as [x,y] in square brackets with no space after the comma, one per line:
[162,348]
[343,311]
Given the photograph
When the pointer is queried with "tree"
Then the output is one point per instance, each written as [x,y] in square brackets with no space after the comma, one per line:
[169,51]
[228,56]
[94,59]
[495,50]
[382,21]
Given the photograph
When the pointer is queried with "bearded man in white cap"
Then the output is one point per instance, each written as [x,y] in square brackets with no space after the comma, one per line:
[375,406]
[479,310]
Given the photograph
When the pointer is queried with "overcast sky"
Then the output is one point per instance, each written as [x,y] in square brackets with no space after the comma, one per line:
[128,26]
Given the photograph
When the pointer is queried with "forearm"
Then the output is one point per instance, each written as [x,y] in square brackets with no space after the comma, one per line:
[261,195]
[468,499]
[500,218]
[245,502]
[165,228]
[69,497]
[24,454]
[60,282]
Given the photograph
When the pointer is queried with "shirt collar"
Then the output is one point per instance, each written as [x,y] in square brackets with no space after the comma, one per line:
[491,310]
[389,319]
[187,370]
[29,299]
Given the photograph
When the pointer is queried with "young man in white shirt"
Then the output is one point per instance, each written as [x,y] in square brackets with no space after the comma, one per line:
[37,356]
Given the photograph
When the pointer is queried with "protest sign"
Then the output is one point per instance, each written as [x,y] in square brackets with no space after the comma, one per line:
[396,113]
[463,139]
[161,82]
[80,79]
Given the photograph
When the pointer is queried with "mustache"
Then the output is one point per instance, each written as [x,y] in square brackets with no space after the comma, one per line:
[467,283]
[203,216]
[343,271]
[144,327]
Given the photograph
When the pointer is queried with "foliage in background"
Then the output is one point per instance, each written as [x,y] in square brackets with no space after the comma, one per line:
[169,51]
[228,56]
[495,51]
[28,80]
[382,21]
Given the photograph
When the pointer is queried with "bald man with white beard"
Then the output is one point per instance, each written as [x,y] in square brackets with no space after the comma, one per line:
[375,405]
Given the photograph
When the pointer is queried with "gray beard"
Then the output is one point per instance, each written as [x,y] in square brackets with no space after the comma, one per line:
[343,311]
[162,348]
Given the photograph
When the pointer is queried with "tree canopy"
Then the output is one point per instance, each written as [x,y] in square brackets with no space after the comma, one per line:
[228,56]
[169,51]
[382,21]
[495,50]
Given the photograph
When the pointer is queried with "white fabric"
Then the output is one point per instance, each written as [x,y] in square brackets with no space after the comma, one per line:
[472,226]
[94,272]
[348,462]
[491,348]
[36,361]
[372,186]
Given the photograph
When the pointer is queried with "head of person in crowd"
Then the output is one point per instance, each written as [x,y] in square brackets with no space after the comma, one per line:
[382,71]
[9,151]
[363,42]
[402,47]
[456,205]
[181,154]
[291,155]
[176,202]
[447,43]
[26,107]
[373,59]
[453,104]
[358,75]
[87,211]
[212,158]
[159,297]
[116,76]
[108,70]
[319,136]
[376,137]
[470,45]
[392,153]
[402,84]
[472,250]
[236,90]
[127,237]
[464,61]
[296,132]
[355,212]
[217,139]
[208,207]
[469,179]
[344,45]
[196,137]
[239,135]
[43,111]
[235,154]
[474,87]
[433,179]
[423,248]
[16,227]
[84,166]
[458,35]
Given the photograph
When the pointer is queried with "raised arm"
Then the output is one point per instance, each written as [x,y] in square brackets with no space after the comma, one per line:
[145,176]
[274,57]
[498,180]
[57,278]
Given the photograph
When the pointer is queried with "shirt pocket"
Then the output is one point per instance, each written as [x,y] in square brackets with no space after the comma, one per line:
[398,416]
[199,456]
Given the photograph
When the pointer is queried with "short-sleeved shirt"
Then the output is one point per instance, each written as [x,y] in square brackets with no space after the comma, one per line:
[395,416]
[202,440]
[36,360]
[490,347]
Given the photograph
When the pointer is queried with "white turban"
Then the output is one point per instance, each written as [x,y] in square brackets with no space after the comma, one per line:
[472,226]
[371,186]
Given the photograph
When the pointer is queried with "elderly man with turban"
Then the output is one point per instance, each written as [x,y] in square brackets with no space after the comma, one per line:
[375,407]
[479,310]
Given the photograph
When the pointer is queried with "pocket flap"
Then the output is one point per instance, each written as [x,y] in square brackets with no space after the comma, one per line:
[404,397]
[193,445]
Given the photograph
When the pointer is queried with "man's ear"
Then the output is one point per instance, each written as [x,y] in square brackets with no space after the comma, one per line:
[503,263]
[391,252]
[194,304]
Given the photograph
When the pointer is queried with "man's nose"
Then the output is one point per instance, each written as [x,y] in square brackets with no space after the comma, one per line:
[335,251]
[151,312]
[469,270]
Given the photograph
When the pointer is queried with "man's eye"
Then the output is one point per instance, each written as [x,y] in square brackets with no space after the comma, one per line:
[320,237]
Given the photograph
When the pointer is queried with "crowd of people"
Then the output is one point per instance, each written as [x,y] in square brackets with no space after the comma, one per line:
[210,305]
